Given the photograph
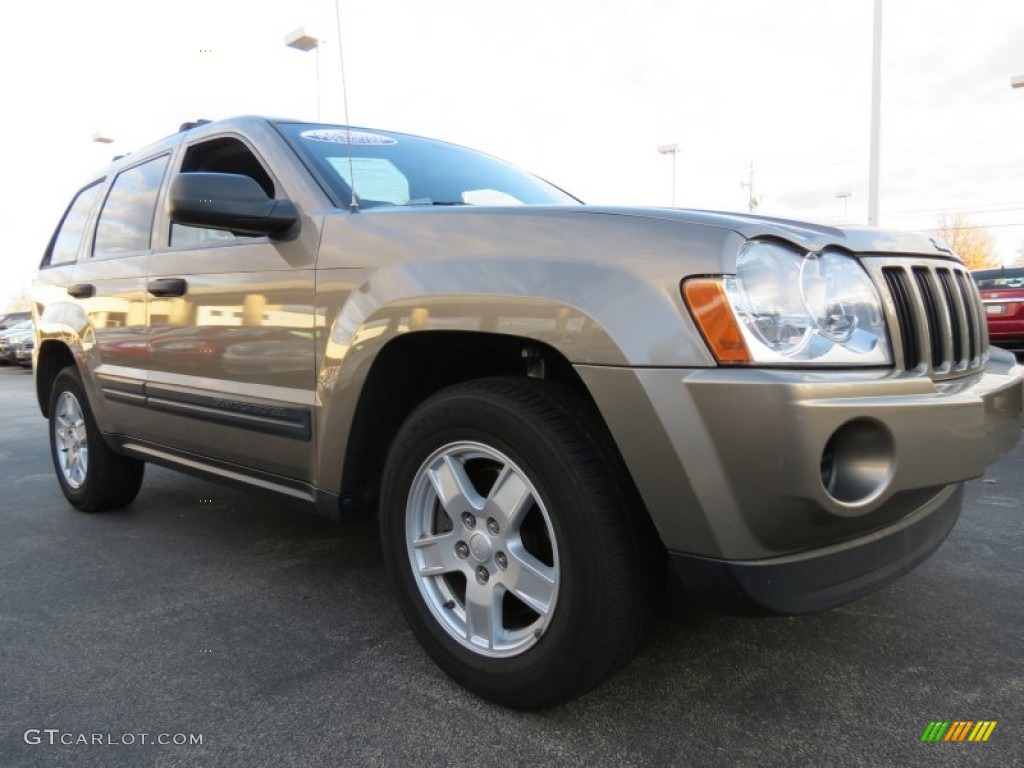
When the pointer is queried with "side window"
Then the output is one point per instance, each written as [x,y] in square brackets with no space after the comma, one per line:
[68,237]
[223,155]
[126,222]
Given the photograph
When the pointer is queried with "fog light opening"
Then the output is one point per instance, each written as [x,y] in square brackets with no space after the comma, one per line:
[857,462]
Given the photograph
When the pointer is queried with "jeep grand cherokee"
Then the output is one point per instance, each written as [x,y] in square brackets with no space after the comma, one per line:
[541,400]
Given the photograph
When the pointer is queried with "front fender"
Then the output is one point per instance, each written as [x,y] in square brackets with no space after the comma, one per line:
[622,272]
[602,290]
[370,320]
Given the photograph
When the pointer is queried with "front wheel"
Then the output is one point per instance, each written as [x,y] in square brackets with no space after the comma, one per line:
[523,559]
[91,475]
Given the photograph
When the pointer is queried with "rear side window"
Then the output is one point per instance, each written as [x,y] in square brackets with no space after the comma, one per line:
[68,237]
[126,222]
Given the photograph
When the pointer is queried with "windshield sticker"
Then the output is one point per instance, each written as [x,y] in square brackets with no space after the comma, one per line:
[377,179]
[489,197]
[342,136]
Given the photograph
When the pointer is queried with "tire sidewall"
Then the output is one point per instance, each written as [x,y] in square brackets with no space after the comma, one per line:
[458,417]
[69,381]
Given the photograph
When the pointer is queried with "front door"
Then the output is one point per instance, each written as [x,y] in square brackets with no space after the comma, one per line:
[232,321]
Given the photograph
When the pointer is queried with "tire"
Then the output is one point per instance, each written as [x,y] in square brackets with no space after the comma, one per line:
[540,572]
[92,476]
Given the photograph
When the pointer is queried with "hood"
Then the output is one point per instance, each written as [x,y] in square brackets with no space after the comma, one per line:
[812,237]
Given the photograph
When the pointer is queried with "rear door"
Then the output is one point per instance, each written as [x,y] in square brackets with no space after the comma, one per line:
[108,284]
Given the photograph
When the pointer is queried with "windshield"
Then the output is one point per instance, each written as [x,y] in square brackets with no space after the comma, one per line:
[999,278]
[395,169]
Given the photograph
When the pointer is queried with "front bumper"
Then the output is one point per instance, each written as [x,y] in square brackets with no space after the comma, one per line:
[823,578]
[755,464]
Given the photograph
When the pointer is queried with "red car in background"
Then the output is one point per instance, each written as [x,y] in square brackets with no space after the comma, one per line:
[1002,293]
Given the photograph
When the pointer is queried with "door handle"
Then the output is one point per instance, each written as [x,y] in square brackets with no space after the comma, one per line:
[82,291]
[167,286]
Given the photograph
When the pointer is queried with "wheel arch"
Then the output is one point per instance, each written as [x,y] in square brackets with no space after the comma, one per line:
[52,357]
[413,366]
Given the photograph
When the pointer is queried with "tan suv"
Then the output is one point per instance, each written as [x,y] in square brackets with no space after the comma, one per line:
[541,399]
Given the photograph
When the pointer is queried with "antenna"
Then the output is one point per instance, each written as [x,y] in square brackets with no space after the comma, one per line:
[353,205]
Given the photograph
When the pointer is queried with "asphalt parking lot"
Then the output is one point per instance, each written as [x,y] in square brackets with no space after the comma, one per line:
[273,636]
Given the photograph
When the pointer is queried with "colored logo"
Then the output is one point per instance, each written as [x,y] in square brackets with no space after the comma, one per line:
[958,730]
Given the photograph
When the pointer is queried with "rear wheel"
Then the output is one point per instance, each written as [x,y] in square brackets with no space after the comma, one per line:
[91,475]
[523,559]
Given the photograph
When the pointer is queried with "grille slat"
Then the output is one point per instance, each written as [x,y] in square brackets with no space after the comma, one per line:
[896,281]
[975,317]
[934,326]
[958,322]
[938,316]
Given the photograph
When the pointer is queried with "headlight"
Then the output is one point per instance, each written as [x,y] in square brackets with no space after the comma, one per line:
[788,308]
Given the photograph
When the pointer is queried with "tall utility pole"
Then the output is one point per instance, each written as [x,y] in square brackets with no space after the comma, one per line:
[671,149]
[876,116]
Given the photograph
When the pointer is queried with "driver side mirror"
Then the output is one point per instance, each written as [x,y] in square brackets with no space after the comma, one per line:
[228,201]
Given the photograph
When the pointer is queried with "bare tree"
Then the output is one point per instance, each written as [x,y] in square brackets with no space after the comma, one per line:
[21,302]
[973,244]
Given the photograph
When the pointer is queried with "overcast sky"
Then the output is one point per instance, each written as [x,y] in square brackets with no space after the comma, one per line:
[581,92]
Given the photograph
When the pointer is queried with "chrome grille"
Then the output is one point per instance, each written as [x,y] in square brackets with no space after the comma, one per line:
[936,318]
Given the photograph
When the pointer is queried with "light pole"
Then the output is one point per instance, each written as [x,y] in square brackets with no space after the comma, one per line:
[300,41]
[671,149]
[876,116]
[845,196]
[102,137]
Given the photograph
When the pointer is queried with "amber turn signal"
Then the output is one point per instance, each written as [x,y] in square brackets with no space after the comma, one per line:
[710,309]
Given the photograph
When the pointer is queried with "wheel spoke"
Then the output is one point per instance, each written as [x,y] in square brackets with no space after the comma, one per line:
[530,580]
[510,497]
[483,613]
[435,555]
[83,462]
[454,488]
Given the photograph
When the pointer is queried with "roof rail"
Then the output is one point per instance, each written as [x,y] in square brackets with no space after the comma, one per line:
[190,125]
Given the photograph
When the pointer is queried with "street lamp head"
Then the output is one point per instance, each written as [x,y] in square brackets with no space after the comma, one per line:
[102,138]
[1017,82]
[668,149]
[300,41]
